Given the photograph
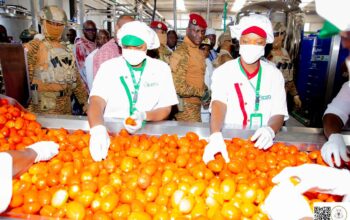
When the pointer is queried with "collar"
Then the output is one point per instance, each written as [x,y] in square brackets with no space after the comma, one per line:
[190,43]
[252,74]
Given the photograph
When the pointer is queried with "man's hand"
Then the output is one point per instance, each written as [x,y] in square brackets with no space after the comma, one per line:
[264,137]
[45,150]
[216,145]
[335,146]
[317,178]
[139,117]
[99,142]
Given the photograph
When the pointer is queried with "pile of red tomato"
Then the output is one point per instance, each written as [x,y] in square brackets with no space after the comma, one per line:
[144,177]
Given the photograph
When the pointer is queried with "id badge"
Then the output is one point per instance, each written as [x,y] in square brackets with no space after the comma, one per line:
[256,120]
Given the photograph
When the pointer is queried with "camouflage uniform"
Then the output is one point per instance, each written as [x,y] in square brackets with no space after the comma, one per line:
[283,63]
[188,68]
[164,53]
[52,70]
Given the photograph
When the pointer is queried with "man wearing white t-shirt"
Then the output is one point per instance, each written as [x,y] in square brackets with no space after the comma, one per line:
[247,91]
[132,85]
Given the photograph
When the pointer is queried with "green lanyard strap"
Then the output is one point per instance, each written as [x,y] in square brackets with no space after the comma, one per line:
[255,88]
[132,99]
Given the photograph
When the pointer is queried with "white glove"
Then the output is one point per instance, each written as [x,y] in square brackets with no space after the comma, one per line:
[45,150]
[285,202]
[335,146]
[264,137]
[6,181]
[216,145]
[99,142]
[139,117]
[317,178]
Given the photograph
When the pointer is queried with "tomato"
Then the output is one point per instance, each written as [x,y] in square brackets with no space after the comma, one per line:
[127,196]
[139,215]
[122,211]
[100,215]
[75,210]
[31,196]
[16,200]
[109,203]
[229,211]
[248,209]
[86,197]
[59,198]
[31,208]
[228,188]
[47,210]
[44,197]
[130,121]
[143,180]
[127,164]
[151,193]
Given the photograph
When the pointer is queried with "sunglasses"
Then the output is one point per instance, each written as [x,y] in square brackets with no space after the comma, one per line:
[276,34]
[90,29]
[284,66]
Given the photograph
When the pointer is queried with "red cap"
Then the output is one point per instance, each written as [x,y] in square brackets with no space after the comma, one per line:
[196,19]
[158,25]
[255,30]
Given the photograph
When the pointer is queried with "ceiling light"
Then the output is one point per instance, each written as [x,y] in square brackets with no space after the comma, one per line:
[180,5]
[238,5]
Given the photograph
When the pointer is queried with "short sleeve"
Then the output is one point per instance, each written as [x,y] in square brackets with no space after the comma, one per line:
[219,88]
[279,102]
[168,93]
[340,105]
[99,83]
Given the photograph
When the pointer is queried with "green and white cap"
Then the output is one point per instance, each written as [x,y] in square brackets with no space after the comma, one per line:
[335,13]
[136,33]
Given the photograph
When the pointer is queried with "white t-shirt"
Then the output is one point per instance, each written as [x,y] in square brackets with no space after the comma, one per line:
[156,87]
[340,105]
[89,65]
[231,86]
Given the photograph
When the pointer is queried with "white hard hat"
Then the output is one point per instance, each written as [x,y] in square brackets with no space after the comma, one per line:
[140,30]
[254,20]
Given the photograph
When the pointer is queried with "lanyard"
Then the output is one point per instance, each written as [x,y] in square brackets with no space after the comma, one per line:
[132,99]
[255,88]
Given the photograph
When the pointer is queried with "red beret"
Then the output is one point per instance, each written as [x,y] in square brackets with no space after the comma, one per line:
[158,25]
[196,19]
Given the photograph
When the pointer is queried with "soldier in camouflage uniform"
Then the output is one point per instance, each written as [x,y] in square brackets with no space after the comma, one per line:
[52,72]
[188,67]
[163,52]
[281,58]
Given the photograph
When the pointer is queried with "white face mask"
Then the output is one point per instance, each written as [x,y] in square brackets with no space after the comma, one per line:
[251,53]
[134,57]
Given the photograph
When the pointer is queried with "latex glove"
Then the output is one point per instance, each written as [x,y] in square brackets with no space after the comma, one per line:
[317,178]
[297,101]
[99,142]
[45,150]
[216,145]
[139,117]
[264,137]
[6,181]
[285,202]
[335,146]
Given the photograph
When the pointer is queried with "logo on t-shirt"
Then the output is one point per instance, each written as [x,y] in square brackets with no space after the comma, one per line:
[150,84]
[265,97]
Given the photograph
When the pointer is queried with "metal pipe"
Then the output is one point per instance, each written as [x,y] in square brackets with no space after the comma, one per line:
[175,15]
[34,10]
[81,13]
[208,11]
[332,67]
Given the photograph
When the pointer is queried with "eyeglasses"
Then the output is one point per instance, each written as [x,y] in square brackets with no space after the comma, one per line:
[90,29]
[276,34]
[284,66]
